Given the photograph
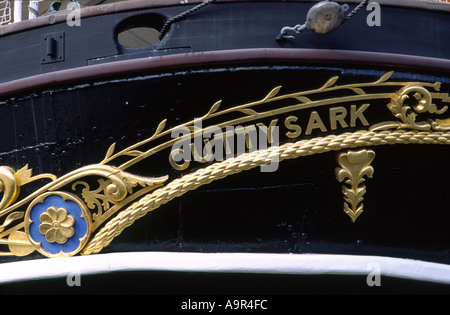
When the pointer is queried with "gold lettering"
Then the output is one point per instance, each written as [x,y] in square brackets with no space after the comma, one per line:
[175,165]
[296,129]
[358,114]
[249,132]
[273,123]
[315,122]
[269,133]
[198,156]
[228,142]
[338,114]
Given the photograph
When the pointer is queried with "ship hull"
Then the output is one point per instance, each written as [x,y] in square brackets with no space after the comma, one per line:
[348,155]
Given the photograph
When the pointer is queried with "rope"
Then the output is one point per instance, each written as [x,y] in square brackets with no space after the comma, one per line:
[180,186]
[181,16]
[355,10]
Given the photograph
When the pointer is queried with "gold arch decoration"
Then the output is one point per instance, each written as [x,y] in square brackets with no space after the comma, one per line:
[217,171]
[44,220]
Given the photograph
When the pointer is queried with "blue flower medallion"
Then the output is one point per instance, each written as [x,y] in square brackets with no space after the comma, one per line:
[58,224]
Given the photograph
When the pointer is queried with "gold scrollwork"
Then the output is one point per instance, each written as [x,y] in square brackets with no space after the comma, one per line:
[408,113]
[117,188]
[113,191]
[11,181]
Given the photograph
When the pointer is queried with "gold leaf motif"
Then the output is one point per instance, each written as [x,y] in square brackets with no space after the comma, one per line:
[248,111]
[10,218]
[384,77]
[160,128]
[354,166]
[329,83]
[214,108]
[134,153]
[303,99]
[24,174]
[358,91]
[272,93]
[110,150]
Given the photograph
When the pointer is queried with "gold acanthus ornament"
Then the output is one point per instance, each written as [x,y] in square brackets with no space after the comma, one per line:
[422,102]
[355,165]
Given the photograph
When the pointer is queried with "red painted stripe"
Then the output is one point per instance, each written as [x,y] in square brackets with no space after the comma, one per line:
[224,58]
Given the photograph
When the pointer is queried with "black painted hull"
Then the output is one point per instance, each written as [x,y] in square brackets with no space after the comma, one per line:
[56,120]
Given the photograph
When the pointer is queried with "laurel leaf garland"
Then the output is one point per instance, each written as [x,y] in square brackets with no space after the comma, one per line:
[384,77]
[110,151]
[214,108]
[273,93]
[329,83]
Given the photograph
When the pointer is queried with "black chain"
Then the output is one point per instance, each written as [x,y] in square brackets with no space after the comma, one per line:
[180,16]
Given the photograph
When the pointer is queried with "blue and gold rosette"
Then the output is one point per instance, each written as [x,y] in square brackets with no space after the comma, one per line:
[58,224]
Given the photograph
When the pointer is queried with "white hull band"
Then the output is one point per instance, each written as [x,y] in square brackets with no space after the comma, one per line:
[296,264]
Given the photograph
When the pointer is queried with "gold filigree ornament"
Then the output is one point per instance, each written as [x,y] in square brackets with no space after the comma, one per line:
[119,189]
[408,113]
[101,213]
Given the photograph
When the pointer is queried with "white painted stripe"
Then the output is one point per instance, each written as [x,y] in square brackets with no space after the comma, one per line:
[301,264]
